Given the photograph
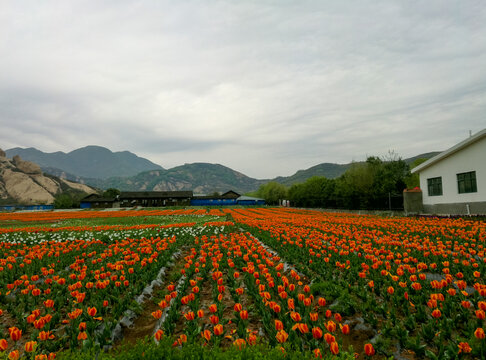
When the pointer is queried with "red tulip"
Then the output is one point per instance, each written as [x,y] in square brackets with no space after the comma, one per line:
[369,349]
[317,332]
[244,314]
[15,333]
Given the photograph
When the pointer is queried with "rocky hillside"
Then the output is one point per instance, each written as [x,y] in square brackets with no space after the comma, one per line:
[22,182]
[201,178]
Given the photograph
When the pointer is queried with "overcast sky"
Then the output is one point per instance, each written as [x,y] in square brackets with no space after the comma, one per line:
[264,87]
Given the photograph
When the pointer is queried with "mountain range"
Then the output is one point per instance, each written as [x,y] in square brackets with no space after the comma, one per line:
[99,167]
[90,162]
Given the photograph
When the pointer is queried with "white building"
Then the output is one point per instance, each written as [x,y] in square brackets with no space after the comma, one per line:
[454,181]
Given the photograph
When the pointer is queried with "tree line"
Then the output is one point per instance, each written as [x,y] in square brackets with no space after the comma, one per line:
[375,184]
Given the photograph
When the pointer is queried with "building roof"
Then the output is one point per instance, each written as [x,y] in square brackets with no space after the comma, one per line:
[230,194]
[155,194]
[458,147]
[249,198]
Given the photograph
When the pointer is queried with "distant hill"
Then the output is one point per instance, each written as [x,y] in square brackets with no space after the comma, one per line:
[422,156]
[201,178]
[91,161]
[329,170]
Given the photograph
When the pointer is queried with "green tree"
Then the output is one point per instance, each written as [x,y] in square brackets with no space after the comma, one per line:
[63,201]
[272,192]
[413,180]
[111,193]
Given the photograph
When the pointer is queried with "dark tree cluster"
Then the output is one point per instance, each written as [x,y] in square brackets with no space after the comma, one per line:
[376,184]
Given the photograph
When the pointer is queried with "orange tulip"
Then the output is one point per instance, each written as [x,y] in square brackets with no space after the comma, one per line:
[92,311]
[331,326]
[213,308]
[3,344]
[158,334]
[329,338]
[82,335]
[282,336]
[206,334]
[295,316]
[200,313]
[45,335]
[189,316]
[278,325]
[436,313]
[157,314]
[14,355]
[238,307]
[390,290]
[30,346]
[479,333]
[239,343]
[218,329]
[480,314]
[464,347]
[334,347]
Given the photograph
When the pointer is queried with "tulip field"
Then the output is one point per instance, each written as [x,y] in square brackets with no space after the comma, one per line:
[240,283]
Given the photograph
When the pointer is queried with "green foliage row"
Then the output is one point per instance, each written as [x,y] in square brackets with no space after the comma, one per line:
[147,349]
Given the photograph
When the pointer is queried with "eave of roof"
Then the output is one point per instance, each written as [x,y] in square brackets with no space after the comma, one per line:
[465,143]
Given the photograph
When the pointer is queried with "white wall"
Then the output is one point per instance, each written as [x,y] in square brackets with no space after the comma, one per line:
[471,158]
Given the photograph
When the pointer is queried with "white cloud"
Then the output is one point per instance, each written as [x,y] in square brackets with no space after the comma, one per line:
[265,87]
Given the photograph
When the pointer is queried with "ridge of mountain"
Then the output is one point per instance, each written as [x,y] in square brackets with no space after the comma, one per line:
[89,162]
[201,178]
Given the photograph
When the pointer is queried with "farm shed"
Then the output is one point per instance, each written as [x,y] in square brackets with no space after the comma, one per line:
[228,198]
[96,201]
[454,181]
[155,198]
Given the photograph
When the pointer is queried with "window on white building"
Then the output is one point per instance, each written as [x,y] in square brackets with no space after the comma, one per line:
[434,186]
[466,182]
